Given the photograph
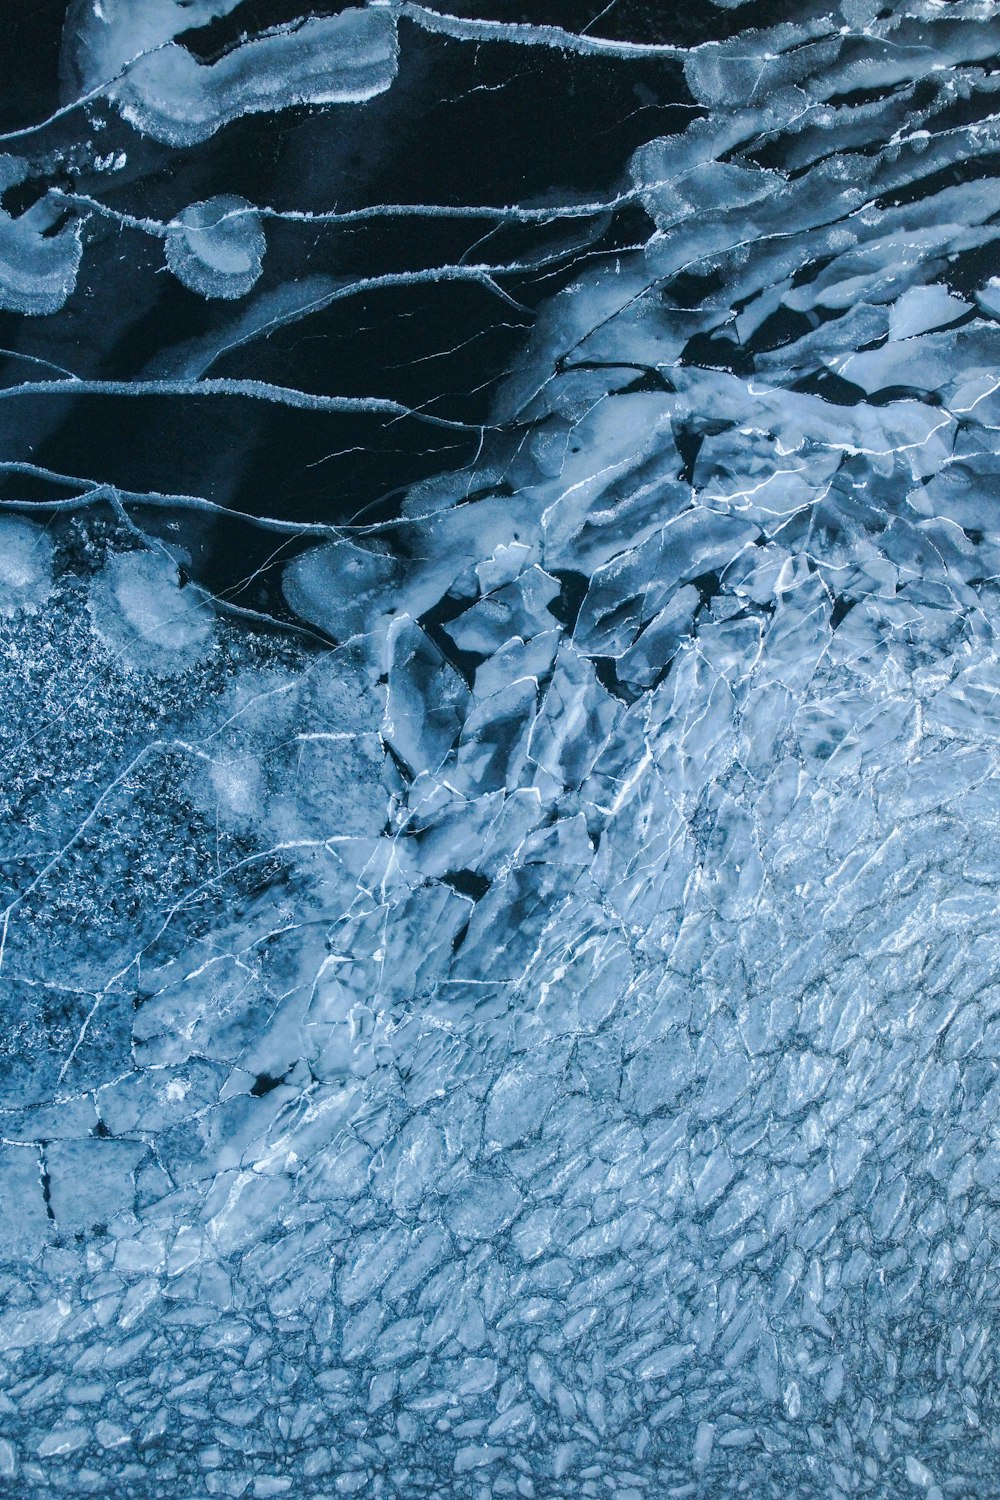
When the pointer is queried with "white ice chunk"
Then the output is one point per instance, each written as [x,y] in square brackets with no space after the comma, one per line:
[342,59]
[102,36]
[485,1209]
[426,701]
[341,587]
[712,187]
[24,1223]
[217,247]
[140,610]
[25,566]
[704,1440]
[39,262]
[90,1181]
[923,308]
[517,1105]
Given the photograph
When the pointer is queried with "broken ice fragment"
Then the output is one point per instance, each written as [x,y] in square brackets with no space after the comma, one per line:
[24,1222]
[101,37]
[340,587]
[712,187]
[426,699]
[39,255]
[216,248]
[703,1442]
[487,1208]
[342,59]
[90,1181]
[517,1105]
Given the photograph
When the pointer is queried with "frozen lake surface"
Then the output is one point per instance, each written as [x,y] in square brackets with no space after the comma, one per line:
[500,751]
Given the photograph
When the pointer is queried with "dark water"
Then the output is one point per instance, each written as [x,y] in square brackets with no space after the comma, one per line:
[569,126]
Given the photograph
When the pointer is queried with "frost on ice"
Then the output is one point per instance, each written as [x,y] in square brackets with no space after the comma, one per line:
[216,248]
[129,50]
[141,613]
[39,258]
[25,566]
[516,1011]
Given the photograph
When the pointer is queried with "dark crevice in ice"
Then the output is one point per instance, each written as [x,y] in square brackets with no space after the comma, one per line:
[467,883]
[222,33]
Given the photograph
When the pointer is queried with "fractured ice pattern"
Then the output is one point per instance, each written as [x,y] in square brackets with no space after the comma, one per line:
[499,947]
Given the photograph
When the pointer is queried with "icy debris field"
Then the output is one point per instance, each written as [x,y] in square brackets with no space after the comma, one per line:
[500,751]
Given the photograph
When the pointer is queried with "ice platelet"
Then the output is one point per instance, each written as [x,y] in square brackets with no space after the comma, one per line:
[510,1007]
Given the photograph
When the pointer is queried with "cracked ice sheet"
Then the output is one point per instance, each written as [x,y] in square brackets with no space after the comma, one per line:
[501,991]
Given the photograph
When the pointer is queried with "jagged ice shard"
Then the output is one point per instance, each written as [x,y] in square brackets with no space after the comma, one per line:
[500,751]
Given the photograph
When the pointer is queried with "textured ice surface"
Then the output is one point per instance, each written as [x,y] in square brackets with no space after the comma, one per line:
[141,614]
[501,990]
[25,566]
[216,247]
[128,50]
[38,259]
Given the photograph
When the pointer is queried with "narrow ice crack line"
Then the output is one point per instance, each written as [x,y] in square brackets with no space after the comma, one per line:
[511,213]
[528,34]
[256,390]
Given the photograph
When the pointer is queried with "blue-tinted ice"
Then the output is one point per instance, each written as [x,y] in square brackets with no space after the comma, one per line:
[516,1010]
